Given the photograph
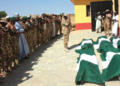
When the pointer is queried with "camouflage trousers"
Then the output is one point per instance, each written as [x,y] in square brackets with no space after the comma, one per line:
[44,36]
[7,53]
[60,29]
[56,33]
[66,39]
[15,48]
[107,27]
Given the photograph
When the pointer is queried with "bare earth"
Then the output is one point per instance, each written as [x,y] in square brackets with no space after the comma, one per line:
[52,66]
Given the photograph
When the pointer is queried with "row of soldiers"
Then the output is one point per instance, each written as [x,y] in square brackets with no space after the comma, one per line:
[38,30]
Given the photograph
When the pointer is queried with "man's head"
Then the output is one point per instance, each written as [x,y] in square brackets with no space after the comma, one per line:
[65,16]
[7,18]
[24,19]
[33,18]
[17,16]
[12,20]
[115,13]
[28,18]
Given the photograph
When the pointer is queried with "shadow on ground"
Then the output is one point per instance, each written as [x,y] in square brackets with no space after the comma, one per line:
[21,72]
[73,46]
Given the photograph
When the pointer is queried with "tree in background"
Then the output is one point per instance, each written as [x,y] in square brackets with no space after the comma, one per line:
[3,14]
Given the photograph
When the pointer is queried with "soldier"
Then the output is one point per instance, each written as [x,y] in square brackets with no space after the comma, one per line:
[60,26]
[29,26]
[56,25]
[2,55]
[35,29]
[14,39]
[54,28]
[103,20]
[107,21]
[66,31]
[44,26]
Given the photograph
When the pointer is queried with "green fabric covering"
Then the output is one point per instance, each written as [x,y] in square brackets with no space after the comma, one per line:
[112,70]
[89,73]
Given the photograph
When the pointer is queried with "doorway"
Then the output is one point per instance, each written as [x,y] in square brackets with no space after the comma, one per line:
[96,7]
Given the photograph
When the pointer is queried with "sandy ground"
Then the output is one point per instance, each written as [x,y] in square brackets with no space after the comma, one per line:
[50,65]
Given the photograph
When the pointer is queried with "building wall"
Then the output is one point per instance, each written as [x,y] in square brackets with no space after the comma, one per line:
[119,16]
[82,21]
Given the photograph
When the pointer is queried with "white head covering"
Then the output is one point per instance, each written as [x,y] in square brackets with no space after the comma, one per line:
[98,13]
[16,15]
[65,15]
[115,12]
[7,17]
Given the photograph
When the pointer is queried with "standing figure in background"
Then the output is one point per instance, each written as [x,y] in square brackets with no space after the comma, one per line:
[107,21]
[54,29]
[115,24]
[98,23]
[66,31]
[23,46]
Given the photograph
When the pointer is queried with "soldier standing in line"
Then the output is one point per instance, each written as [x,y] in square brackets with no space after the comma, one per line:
[51,26]
[34,23]
[2,55]
[54,29]
[56,25]
[60,26]
[66,31]
[14,39]
[40,31]
[29,26]
[44,26]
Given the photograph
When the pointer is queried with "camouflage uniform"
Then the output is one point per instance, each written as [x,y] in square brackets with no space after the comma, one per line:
[35,35]
[107,23]
[26,31]
[66,31]
[56,27]
[15,45]
[2,67]
[30,37]
[51,29]
[60,26]
[44,27]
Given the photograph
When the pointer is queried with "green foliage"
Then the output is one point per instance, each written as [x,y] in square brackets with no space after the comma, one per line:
[3,14]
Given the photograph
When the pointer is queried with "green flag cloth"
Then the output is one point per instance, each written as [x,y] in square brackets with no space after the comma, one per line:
[87,64]
[110,58]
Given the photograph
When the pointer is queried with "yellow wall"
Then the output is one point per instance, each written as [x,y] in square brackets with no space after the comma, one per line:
[113,5]
[80,10]
[119,16]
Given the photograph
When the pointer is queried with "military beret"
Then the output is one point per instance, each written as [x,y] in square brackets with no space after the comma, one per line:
[28,17]
[12,19]
[23,18]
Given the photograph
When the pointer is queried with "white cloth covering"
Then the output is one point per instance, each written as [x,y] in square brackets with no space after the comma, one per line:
[115,25]
[98,23]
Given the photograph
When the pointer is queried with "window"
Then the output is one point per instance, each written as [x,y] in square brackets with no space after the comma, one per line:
[88,11]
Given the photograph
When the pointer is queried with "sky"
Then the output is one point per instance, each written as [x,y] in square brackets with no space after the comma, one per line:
[25,7]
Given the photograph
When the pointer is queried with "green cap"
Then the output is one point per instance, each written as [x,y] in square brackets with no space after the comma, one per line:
[12,19]
[28,17]
[23,18]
